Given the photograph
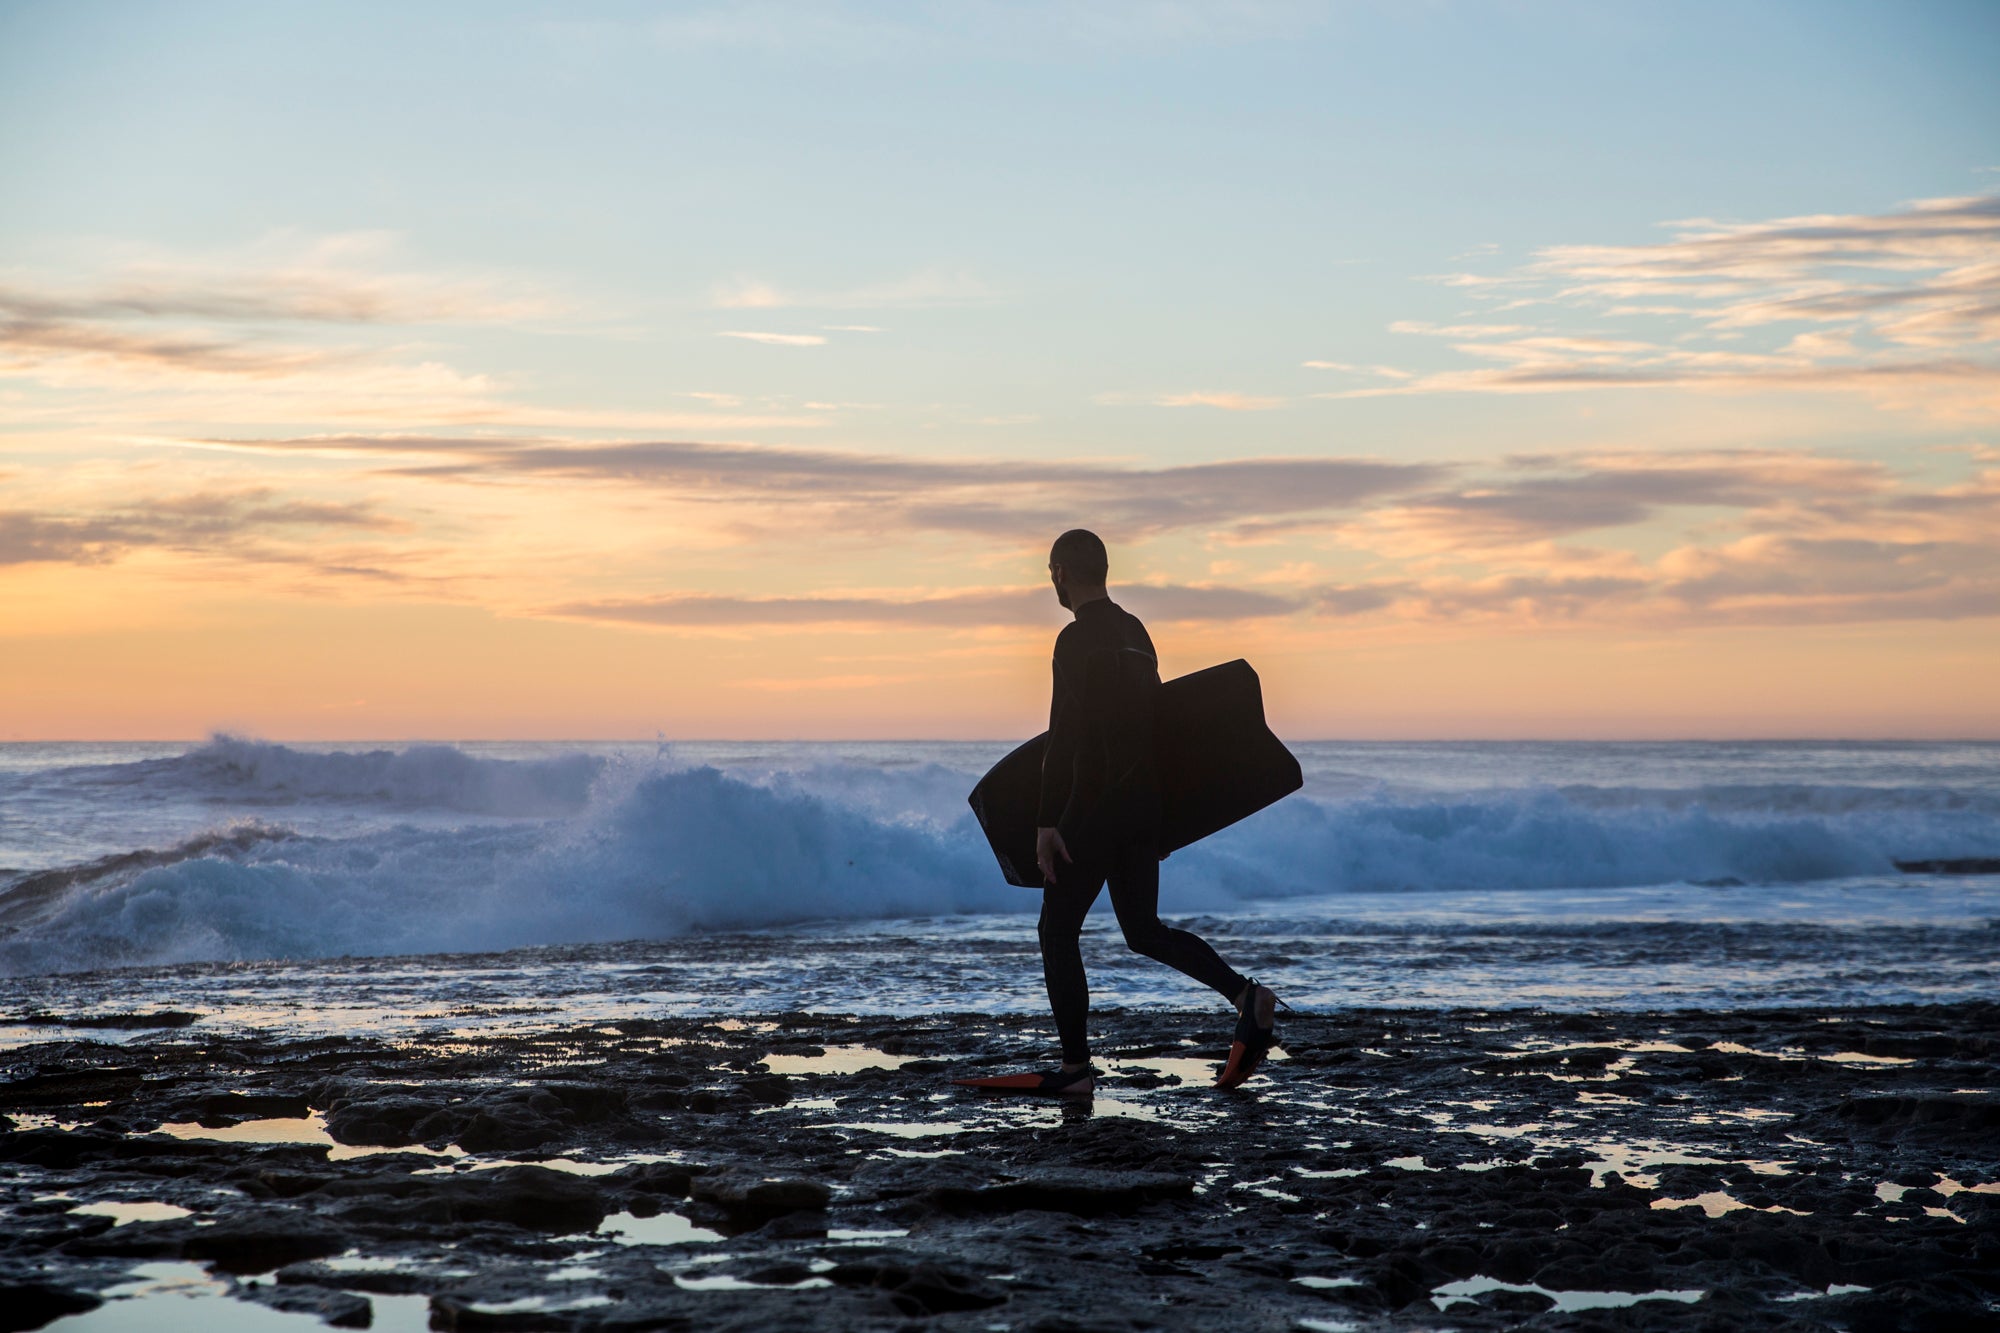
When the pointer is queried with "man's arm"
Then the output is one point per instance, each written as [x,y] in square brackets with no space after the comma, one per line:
[1058,768]
[1059,756]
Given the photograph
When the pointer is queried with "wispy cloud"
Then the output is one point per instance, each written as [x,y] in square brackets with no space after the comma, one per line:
[232,523]
[1901,306]
[925,287]
[1007,498]
[290,329]
[973,609]
[776,339]
[1226,400]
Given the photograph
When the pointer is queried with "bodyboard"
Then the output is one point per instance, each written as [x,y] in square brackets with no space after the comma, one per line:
[1218,762]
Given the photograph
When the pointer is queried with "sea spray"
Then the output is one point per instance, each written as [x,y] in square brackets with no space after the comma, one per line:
[444,849]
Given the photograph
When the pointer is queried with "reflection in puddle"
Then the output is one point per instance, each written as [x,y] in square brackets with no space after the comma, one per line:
[724,1282]
[1837,1289]
[1122,1108]
[835,1060]
[121,1213]
[184,1295]
[309,1130]
[1188,1071]
[537,1305]
[903,1129]
[360,1263]
[1716,1203]
[1566,1301]
[662,1229]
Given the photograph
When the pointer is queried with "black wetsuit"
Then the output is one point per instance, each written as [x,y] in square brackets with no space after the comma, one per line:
[1100,788]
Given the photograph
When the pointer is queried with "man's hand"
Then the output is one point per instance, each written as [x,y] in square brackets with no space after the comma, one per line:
[1048,846]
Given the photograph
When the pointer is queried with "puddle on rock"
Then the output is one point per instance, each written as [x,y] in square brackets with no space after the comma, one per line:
[309,1130]
[835,1060]
[535,1305]
[123,1213]
[660,1229]
[1837,1289]
[907,1129]
[1566,1301]
[175,1295]
[724,1282]
[1717,1203]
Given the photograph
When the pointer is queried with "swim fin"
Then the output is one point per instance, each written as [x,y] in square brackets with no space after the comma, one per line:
[1058,1084]
[1250,1043]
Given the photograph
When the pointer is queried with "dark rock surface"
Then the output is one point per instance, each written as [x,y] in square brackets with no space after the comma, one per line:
[1397,1170]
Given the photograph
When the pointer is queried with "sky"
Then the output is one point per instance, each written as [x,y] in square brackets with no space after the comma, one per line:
[724,370]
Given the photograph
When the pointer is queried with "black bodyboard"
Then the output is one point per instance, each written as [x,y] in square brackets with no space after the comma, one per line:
[1218,763]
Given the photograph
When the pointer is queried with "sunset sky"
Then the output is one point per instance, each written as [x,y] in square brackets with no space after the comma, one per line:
[724,370]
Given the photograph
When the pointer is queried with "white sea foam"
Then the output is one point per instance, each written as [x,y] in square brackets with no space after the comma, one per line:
[263,774]
[576,847]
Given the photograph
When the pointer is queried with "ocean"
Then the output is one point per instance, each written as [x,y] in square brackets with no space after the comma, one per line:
[432,888]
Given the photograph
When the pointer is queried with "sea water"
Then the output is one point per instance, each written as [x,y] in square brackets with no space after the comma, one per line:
[331,885]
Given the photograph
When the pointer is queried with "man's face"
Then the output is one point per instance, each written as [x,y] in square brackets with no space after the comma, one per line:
[1062,589]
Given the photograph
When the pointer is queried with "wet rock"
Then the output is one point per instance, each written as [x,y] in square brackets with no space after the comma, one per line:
[1935,1117]
[26,1305]
[919,1289]
[1082,1193]
[69,1087]
[228,1108]
[249,1242]
[735,1203]
[340,1309]
[531,1197]
[1201,1214]
[386,1119]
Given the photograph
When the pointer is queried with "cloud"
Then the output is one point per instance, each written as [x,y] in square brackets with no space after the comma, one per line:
[1008,498]
[1542,497]
[925,287]
[258,323]
[1903,307]
[962,610]
[1227,401]
[206,522]
[31,344]
[287,279]
[777,339]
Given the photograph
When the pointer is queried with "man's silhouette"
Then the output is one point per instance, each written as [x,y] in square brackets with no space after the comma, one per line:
[1099,817]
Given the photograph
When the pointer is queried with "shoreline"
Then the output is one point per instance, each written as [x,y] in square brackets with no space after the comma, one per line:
[1777,1168]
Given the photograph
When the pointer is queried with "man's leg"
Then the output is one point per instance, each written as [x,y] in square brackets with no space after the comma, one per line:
[1063,910]
[1135,895]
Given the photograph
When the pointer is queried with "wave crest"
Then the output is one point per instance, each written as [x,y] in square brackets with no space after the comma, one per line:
[636,854]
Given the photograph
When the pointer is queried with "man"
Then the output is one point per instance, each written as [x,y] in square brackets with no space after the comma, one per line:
[1099,818]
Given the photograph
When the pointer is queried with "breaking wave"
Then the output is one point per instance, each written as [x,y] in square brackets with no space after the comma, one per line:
[603,852]
[233,770]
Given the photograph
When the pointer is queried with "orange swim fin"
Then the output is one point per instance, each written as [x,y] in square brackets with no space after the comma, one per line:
[1250,1043]
[1057,1084]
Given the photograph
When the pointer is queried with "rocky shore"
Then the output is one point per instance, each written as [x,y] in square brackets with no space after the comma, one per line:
[1782,1169]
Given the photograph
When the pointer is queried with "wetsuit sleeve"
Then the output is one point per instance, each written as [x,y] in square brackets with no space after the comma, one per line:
[1059,758]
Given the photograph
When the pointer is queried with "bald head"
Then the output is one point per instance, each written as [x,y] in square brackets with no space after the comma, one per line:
[1078,567]
[1081,554]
